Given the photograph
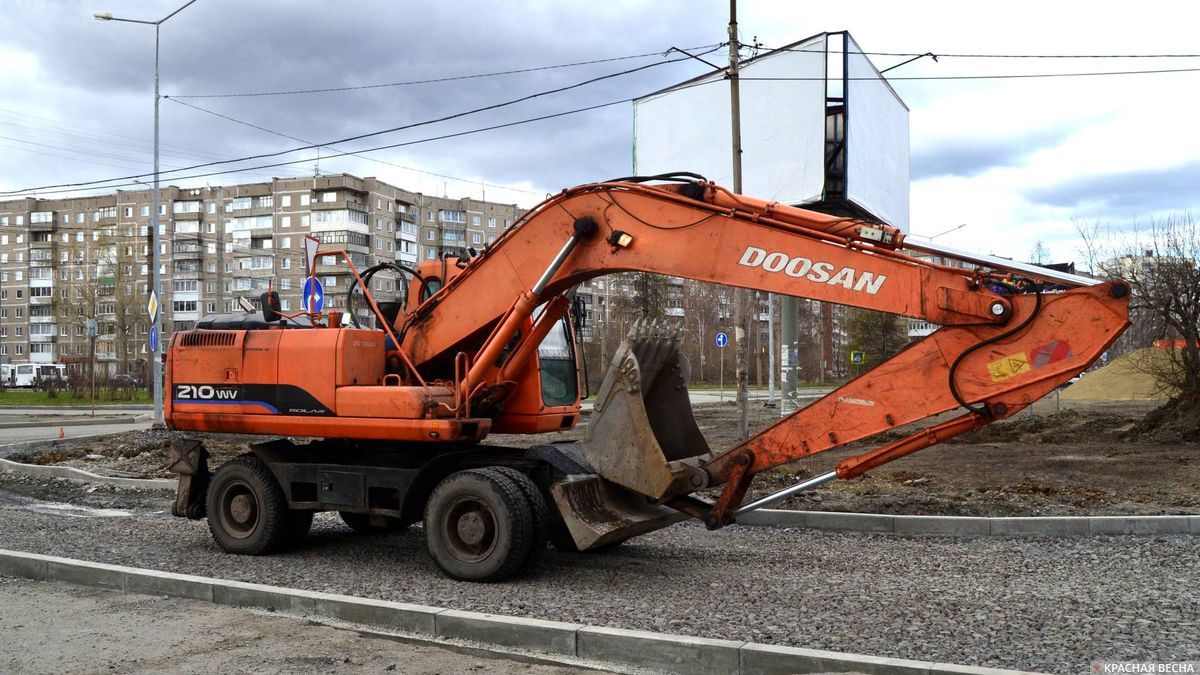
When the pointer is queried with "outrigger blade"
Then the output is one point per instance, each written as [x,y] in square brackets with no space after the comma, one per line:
[641,435]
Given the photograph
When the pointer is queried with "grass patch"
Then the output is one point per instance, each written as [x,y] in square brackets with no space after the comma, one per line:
[22,397]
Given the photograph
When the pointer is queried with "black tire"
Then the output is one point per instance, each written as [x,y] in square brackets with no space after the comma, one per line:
[478,526]
[365,523]
[539,511]
[248,512]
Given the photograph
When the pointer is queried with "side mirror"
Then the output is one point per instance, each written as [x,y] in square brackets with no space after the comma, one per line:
[270,306]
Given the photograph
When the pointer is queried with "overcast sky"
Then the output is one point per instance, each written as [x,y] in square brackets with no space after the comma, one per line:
[1017,160]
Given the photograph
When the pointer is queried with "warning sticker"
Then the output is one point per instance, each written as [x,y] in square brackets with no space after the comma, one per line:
[1009,366]
[1023,362]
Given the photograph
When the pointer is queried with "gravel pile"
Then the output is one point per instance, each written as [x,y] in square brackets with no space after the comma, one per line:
[1052,605]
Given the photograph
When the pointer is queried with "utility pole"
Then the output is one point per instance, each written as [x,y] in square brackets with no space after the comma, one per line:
[742,296]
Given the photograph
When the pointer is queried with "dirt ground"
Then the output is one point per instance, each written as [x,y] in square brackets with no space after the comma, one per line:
[61,628]
[1060,458]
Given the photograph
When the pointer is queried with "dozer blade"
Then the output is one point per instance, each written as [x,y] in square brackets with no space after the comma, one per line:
[597,512]
[642,418]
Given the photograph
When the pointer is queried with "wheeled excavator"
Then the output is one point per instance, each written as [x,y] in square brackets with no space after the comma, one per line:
[388,425]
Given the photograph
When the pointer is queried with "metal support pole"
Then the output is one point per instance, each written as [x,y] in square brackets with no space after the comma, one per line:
[789,357]
[155,261]
[742,311]
[771,349]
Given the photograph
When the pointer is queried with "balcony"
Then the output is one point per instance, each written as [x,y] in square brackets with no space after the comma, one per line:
[43,338]
[347,203]
[44,225]
[41,299]
[187,252]
[188,215]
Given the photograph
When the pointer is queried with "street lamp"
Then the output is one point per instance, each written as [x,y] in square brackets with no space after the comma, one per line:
[155,276]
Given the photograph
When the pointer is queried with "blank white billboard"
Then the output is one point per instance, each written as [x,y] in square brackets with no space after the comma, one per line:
[687,127]
[876,141]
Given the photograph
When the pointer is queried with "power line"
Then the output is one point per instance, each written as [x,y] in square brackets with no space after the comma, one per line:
[993,55]
[452,78]
[355,154]
[374,149]
[1014,76]
[348,139]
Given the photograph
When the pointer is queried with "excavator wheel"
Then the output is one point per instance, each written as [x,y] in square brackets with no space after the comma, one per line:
[365,523]
[478,526]
[538,510]
[248,512]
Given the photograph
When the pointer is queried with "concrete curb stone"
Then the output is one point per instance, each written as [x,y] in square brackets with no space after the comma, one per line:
[671,653]
[549,636]
[71,473]
[1056,526]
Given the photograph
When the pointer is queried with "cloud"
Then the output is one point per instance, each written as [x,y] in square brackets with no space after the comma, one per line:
[1131,193]
[966,157]
[99,75]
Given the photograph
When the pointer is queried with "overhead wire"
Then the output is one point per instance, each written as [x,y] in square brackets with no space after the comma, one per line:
[404,127]
[451,78]
[85,185]
[351,153]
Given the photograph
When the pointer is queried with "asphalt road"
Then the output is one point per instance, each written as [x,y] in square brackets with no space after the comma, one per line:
[61,628]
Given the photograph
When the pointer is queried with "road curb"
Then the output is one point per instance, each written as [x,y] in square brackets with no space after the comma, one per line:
[959,526]
[671,653]
[65,422]
[71,473]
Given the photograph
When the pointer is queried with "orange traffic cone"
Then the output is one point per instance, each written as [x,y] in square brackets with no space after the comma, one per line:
[60,433]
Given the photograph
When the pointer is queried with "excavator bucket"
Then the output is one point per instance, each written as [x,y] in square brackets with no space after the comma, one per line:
[643,418]
[641,440]
[641,424]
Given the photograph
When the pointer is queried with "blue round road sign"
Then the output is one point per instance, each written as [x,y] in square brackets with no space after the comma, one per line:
[313,289]
[153,339]
[722,339]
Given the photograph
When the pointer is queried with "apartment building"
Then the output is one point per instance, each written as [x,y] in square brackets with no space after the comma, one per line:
[65,261]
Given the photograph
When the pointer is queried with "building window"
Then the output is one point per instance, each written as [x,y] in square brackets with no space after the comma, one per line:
[491,222]
[285,201]
[285,221]
[304,199]
[328,197]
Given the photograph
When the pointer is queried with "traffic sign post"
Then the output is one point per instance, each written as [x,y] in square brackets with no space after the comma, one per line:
[314,295]
[722,341]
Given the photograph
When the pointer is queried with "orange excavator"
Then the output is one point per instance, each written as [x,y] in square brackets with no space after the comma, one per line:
[389,425]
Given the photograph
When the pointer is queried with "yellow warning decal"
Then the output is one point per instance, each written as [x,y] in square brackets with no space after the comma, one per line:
[1009,366]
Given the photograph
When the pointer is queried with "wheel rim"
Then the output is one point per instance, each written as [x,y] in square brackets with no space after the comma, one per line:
[239,510]
[469,529]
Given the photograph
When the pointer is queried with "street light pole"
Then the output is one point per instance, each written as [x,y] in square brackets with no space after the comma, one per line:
[155,260]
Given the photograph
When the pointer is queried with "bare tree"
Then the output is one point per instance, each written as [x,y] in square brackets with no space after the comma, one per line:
[1040,255]
[1161,262]
[879,334]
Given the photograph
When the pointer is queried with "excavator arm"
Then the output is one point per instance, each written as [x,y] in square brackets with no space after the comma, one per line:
[1005,340]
